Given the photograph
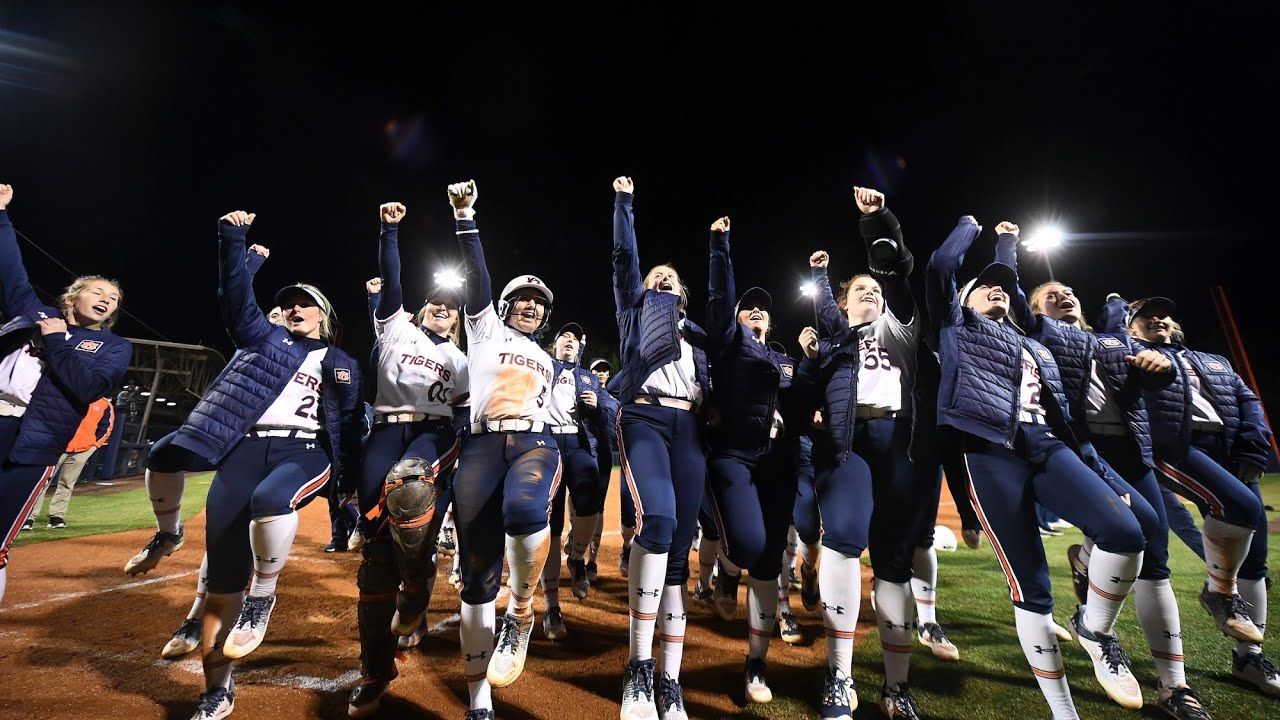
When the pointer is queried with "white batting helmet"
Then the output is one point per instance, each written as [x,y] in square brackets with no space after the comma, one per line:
[526,282]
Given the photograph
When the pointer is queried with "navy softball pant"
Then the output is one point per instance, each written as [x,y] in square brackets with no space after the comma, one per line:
[505,480]
[581,480]
[751,503]
[804,514]
[1005,484]
[166,457]
[1202,477]
[604,468]
[666,470]
[1130,476]
[1181,522]
[21,486]
[432,440]
[925,493]
[260,477]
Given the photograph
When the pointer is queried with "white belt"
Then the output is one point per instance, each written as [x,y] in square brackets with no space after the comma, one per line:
[1031,418]
[8,409]
[564,429]
[404,417]
[1109,429]
[664,401]
[283,433]
[774,432]
[513,425]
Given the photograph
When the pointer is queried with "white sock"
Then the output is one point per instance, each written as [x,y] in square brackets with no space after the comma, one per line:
[809,553]
[270,537]
[708,549]
[1157,611]
[526,554]
[448,519]
[1111,575]
[476,633]
[1225,548]
[671,622]
[784,582]
[165,491]
[581,530]
[924,584]
[594,552]
[644,588]
[202,589]
[551,574]
[1253,592]
[840,577]
[893,613]
[1040,646]
[762,612]
[4,580]
[788,557]
[220,615]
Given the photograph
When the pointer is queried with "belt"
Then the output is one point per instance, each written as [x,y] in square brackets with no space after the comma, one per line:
[664,401]
[1031,418]
[8,409]
[404,417]
[1205,427]
[564,429]
[283,433]
[513,425]
[1109,429]
[866,412]
[774,432]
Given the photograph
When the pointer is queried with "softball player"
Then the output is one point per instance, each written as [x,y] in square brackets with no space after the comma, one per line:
[1102,377]
[575,409]
[751,487]
[866,373]
[1211,442]
[54,362]
[421,379]
[605,436]
[1002,396]
[509,468]
[282,416]
[661,384]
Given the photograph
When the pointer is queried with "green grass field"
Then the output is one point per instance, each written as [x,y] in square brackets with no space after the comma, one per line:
[113,512]
[990,682]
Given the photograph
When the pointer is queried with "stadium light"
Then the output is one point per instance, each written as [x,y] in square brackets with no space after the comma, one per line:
[159,399]
[449,278]
[808,289]
[171,404]
[1044,238]
[146,393]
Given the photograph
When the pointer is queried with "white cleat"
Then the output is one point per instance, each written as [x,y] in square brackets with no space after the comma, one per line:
[251,628]
[185,639]
[509,652]
[215,704]
[757,681]
[932,636]
[1257,670]
[638,701]
[161,546]
[1110,663]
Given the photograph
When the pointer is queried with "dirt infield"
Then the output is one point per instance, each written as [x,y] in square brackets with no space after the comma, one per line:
[80,639]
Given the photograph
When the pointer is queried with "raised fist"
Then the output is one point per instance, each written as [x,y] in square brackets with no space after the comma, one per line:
[238,217]
[262,250]
[463,195]
[819,259]
[392,212]
[721,225]
[1006,227]
[809,342]
[6,195]
[869,200]
[373,285]
[969,219]
[624,184]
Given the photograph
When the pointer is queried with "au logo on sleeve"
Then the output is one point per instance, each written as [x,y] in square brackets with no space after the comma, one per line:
[342,375]
[1216,366]
[1110,343]
[787,370]
[1044,353]
[89,346]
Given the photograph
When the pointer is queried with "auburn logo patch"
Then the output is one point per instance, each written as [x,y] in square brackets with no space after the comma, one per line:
[89,346]
[788,371]
[342,375]
[1042,352]
[1216,366]
[1110,343]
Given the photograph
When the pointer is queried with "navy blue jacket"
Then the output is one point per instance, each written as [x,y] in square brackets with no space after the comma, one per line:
[1075,350]
[80,369]
[267,359]
[982,359]
[591,419]
[745,372]
[648,321]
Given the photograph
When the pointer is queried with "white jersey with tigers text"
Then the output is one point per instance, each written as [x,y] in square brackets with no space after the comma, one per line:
[887,358]
[563,409]
[298,406]
[415,373]
[510,374]
[20,372]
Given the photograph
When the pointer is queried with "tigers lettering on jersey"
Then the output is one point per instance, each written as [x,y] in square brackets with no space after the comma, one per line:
[510,358]
[428,363]
[307,381]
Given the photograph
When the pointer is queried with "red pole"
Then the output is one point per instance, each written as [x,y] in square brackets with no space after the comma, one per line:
[1238,354]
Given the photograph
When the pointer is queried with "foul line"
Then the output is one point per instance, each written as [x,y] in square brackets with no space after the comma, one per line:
[84,593]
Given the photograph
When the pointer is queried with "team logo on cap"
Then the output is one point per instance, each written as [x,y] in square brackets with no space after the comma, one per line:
[533,280]
[1216,366]
[89,346]
[342,375]
[1107,342]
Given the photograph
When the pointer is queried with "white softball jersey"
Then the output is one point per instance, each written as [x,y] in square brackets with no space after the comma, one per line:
[563,408]
[1030,388]
[20,372]
[510,375]
[415,373]
[298,406]
[1202,410]
[887,352]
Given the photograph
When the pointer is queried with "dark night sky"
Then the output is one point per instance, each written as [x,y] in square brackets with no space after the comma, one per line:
[134,127]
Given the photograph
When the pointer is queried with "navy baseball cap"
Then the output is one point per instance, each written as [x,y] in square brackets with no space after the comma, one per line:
[755,297]
[573,328]
[601,361]
[997,273]
[1150,307]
